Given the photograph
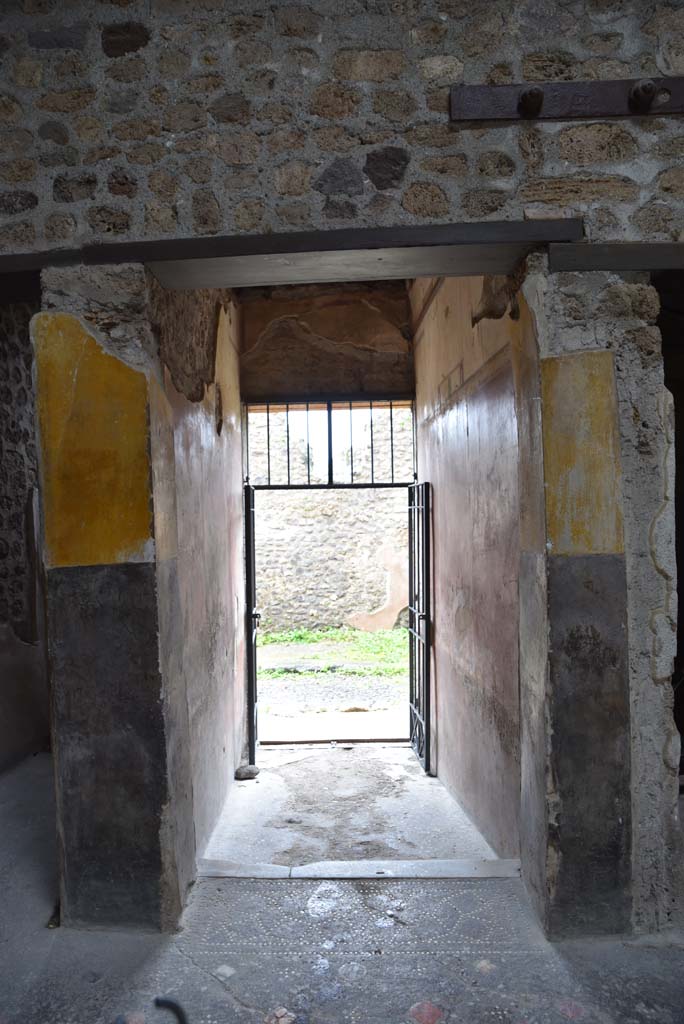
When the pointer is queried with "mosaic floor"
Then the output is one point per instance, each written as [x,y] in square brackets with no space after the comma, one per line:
[363,952]
[297,951]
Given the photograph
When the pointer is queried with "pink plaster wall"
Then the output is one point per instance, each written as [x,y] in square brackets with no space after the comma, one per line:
[205,622]
[468,451]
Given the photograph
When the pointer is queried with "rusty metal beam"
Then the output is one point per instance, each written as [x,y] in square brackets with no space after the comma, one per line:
[568,101]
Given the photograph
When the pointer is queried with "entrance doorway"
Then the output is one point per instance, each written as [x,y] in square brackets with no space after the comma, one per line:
[338,619]
[330,535]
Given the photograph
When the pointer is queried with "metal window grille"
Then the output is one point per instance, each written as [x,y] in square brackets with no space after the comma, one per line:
[330,443]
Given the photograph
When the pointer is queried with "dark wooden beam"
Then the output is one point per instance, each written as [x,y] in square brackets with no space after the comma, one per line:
[494,247]
[342,266]
[618,256]
[304,243]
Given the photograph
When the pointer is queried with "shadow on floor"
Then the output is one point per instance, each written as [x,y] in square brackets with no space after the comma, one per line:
[28,851]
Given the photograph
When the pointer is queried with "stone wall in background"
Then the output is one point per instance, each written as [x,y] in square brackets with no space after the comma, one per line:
[331,558]
[128,119]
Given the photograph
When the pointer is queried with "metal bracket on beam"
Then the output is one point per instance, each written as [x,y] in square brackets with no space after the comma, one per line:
[568,101]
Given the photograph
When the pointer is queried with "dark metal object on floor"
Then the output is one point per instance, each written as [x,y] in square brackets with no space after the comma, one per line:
[175,1008]
[567,101]
[419,627]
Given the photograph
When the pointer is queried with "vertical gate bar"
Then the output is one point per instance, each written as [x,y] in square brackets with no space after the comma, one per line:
[251,619]
[413,439]
[370,405]
[268,441]
[428,625]
[330,445]
[419,595]
[419,627]
[411,606]
[392,439]
[245,428]
[308,450]
[351,442]
[287,438]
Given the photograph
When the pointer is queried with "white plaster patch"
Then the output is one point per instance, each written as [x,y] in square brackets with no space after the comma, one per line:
[224,972]
[352,971]
[325,900]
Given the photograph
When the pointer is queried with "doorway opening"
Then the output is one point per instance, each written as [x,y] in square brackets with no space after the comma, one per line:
[326,495]
[341,696]
[486,420]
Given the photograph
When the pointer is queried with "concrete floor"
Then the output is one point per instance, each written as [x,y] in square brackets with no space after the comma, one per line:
[311,952]
[291,725]
[28,854]
[316,698]
[341,803]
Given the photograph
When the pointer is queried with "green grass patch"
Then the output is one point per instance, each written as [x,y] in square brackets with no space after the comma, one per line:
[347,651]
[361,671]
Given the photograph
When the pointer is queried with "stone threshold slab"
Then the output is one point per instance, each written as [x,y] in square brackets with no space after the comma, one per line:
[325,869]
[231,869]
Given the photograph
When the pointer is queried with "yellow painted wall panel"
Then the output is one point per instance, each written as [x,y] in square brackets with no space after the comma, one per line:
[94,438]
[581,454]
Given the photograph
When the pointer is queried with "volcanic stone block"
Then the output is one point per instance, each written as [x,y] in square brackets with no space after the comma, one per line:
[123,38]
[590,838]
[107,713]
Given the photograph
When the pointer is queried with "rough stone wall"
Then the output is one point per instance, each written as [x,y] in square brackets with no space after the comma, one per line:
[24,726]
[19,470]
[335,558]
[328,559]
[576,312]
[185,325]
[162,118]
[671,325]
[113,301]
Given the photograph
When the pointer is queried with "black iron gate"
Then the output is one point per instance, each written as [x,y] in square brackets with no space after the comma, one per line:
[419,620]
[251,624]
